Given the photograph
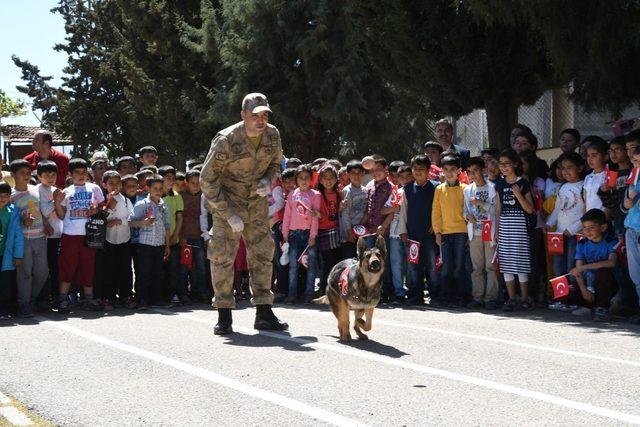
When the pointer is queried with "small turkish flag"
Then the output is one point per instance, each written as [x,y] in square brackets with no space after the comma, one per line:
[580,237]
[539,200]
[359,230]
[414,252]
[555,243]
[439,261]
[303,260]
[611,178]
[186,256]
[486,230]
[344,281]
[632,179]
[150,212]
[621,252]
[396,197]
[495,261]
[463,178]
[560,286]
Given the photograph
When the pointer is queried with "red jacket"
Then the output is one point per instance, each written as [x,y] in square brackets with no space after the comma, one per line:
[59,158]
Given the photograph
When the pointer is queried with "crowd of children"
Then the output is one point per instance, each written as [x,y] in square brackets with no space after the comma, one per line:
[481,232]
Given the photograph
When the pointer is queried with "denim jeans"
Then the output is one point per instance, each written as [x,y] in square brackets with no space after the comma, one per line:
[426,267]
[633,258]
[196,274]
[387,283]
[453,266]
[298,241]
[398,264]
[562,264]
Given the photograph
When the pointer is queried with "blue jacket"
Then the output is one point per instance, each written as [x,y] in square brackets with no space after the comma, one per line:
[14,240]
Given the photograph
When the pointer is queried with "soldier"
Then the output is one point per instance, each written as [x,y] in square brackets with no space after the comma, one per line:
[235,180]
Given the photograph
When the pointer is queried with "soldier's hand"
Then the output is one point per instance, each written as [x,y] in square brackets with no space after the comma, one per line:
[264,186]
[236,223]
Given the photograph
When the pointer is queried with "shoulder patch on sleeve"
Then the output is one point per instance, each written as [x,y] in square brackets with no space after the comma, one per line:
[221,156]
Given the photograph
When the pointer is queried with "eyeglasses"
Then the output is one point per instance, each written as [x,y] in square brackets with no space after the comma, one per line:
[617,150]
[505,164]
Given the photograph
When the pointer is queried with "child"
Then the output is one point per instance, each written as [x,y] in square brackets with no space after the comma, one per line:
[277,198]
[181,182]
[34,270]
[632,224]
[343,178]
[175,204]
[148,155]
[433,151]
[328,235]
[612,197]
[130,190]
[117,250]
[300,228]
[513,206]
[397,250]
[11,248]
[48,173]
[569,140]
[126,165]
[353,208]
[479,206]
[450,228]
[75,204]
[597,158]
[567,213]
[151,215]
[393,171]
[415,224]
[595,260]
[192,236]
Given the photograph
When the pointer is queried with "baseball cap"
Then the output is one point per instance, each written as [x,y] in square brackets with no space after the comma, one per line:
[255,103]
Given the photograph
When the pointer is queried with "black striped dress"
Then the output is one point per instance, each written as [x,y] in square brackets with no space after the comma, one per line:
[514,251]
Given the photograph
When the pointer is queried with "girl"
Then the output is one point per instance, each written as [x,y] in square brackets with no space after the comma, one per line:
[328,235]
[514,205]
[299,229]
[567,212]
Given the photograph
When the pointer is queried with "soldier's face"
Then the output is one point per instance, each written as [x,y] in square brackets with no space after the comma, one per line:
[255,124]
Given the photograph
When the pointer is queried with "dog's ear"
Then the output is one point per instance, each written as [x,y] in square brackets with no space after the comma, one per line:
[380,244]
[362,246]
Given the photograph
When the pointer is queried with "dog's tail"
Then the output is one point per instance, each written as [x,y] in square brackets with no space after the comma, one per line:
[322,300]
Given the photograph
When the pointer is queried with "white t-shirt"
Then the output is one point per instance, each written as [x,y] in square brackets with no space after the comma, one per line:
[48,209]
[592,183]
[29,201]
[119,234]
[569,208]
[78,199]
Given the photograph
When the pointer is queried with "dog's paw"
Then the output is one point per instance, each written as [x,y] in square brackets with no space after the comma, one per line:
[363,337]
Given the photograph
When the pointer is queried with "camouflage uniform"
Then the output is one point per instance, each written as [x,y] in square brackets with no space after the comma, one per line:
[229,180]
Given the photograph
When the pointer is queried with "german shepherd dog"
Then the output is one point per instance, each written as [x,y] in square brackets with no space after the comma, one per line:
[355,284]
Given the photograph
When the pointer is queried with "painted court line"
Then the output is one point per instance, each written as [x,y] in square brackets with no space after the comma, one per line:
[493,385]
[4,399]
[268,396]
[14,416]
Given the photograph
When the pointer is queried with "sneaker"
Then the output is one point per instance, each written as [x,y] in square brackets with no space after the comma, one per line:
[510,305]
[63,306]
[92,305]
[569,308]
[492,305]
[106,304]
[526,305]
[581,311]
[290,300]
[556,306]
[474,305]
[26,311]
[175,300]
[161,304]
[4,317]
[601,314]
[185,300]
[308,299]
[130,303]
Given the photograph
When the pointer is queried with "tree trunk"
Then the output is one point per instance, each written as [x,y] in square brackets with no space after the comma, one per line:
[502,114]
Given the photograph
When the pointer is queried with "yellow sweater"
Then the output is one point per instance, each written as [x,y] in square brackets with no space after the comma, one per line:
[447,215]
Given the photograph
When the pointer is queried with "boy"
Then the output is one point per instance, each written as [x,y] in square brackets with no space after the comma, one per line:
[192,236]
[450,228]
[597,158]
[415,224]
[148,155]
[595,260]
[479,206]
[175,204]
[276,200]
[491,168]
[130,190]
[181,182]
[632,224]
[11,248]
[353,208]
[151,215]
[393,171]
[34,271]
[397,251]
[612,197]
[126,165]
[75,204]
[433,151]
[117,250]
[569,140]
[48,174]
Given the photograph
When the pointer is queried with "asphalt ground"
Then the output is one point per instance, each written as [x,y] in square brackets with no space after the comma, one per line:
[419,366]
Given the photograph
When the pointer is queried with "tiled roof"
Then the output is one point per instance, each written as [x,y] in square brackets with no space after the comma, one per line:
[21,134]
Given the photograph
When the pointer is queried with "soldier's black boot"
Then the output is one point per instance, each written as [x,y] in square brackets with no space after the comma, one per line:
[267,321]
[223,327]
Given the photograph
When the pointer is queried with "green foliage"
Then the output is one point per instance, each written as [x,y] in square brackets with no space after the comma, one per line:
[9,107]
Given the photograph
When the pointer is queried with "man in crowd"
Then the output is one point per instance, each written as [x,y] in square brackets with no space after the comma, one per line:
[444,136]
[43,150]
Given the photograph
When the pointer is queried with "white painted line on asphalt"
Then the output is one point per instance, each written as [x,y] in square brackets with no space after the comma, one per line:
[268,396]
[15,416]
[489,339]
[4,399]
[493,385]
